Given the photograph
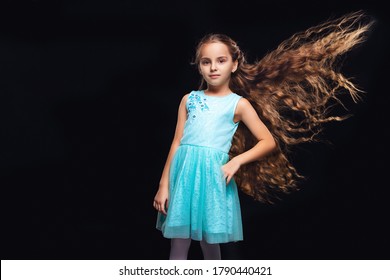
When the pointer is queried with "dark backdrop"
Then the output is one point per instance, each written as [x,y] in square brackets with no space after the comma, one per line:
[89,97]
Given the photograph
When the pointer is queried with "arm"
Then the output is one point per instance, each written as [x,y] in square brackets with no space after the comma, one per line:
[161,198]
[247,114]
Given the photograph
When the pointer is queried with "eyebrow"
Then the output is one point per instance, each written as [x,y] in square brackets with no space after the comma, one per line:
[217,57]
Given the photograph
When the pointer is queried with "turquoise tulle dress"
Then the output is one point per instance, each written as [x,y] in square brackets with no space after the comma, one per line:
[201,205]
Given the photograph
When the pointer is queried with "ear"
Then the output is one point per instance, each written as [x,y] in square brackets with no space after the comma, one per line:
[235,66]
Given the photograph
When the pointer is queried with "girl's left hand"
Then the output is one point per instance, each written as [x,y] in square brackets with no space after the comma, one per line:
[229,169]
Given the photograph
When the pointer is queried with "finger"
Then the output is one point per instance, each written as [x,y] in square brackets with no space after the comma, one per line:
[228,179]
[166,204]
[224,176]
[162,210]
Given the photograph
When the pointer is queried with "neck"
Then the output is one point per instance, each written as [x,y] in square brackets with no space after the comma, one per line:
[218,89]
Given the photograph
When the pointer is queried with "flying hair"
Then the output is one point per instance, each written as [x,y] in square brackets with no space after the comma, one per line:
[292,88]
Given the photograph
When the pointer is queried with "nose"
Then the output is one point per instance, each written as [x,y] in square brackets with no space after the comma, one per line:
[213,67]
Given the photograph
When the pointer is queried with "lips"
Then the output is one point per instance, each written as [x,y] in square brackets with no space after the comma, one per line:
[214,76]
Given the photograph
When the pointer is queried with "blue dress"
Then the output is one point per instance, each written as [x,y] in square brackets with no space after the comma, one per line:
[201,205]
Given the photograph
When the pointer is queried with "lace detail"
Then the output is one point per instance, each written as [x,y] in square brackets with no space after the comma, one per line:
[196,103]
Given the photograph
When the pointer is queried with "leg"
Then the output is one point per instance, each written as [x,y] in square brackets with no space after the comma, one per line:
[179,248]
[210,251]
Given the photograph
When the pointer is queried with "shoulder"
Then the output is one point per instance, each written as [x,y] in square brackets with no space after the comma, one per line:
[243,104]
[188,95]
[244,107]
[185,97]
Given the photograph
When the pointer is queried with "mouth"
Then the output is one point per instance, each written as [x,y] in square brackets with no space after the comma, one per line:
[214,76]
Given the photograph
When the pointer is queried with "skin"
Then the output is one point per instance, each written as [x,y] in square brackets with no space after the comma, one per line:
[216,66]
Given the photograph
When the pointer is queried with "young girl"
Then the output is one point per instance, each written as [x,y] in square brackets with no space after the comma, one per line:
[237,128]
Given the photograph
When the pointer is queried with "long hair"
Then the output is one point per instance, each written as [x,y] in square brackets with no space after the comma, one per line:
[292,88]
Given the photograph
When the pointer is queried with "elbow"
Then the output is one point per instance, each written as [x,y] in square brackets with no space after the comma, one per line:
[175,144]
[269,143]
[272,145]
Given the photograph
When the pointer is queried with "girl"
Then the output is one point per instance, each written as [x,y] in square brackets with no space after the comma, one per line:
[237,128]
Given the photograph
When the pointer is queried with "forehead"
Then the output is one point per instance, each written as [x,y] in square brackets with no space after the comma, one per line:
[214,49]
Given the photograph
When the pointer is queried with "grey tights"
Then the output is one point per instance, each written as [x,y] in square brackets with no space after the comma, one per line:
[180,247]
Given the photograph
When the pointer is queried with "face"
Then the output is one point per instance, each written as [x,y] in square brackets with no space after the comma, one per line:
[216,64]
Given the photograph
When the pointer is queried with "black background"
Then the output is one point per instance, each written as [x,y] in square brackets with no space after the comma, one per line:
[89,98]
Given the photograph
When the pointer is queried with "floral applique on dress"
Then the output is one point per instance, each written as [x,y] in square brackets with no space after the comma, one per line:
[196,103]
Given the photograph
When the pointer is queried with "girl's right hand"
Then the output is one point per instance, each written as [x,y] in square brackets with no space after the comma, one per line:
[161,200]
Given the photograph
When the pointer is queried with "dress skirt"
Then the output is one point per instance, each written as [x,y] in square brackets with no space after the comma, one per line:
[201,205]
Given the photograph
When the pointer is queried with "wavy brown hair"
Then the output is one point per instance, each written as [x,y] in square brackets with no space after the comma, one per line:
[292,88]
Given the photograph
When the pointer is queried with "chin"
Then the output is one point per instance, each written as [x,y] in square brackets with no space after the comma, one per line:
[213,83]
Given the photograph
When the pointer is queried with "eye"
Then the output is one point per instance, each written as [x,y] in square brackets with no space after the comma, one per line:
[222,60]
[204,62]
